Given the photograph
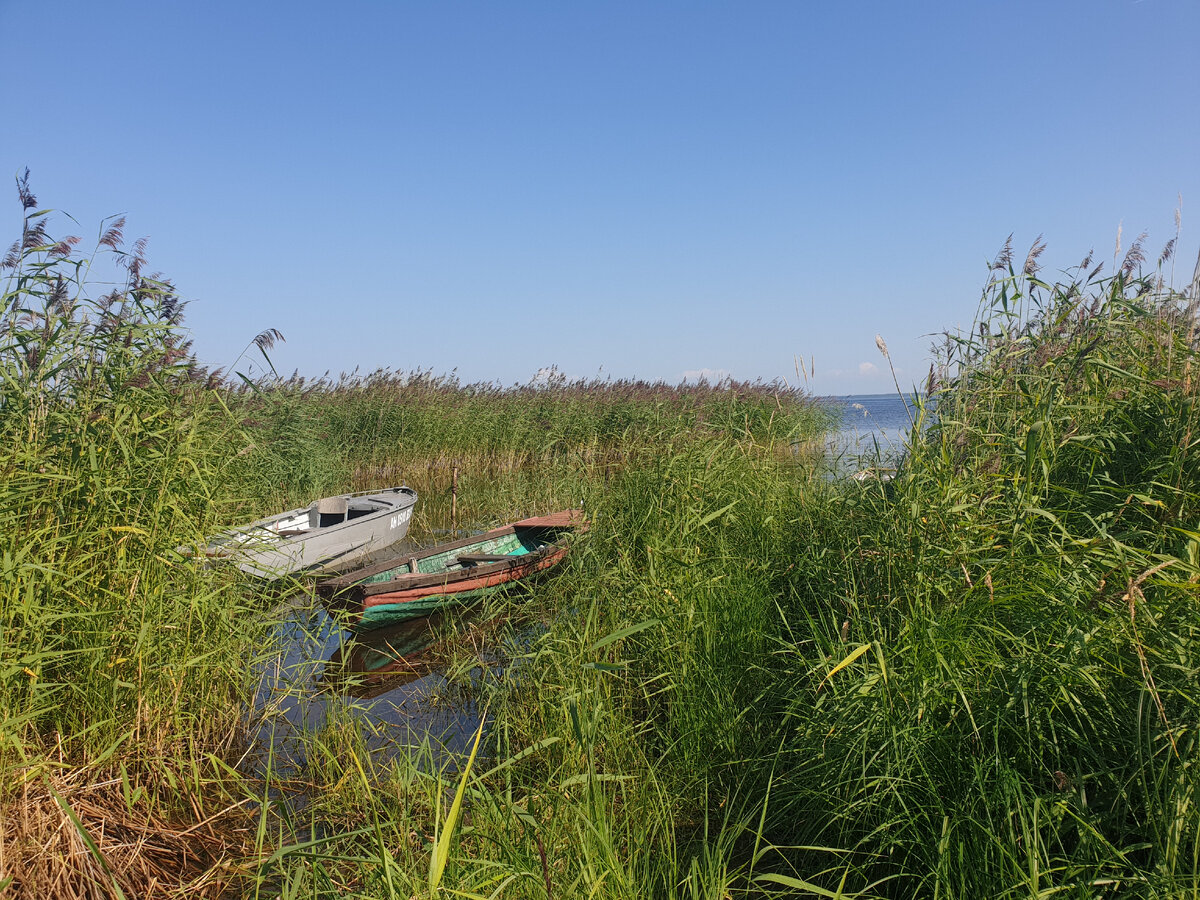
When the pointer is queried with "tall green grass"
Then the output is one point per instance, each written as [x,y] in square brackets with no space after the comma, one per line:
[121,662]
[751,677]
[975,680]
[1020,605]
[124,663]
[109,456]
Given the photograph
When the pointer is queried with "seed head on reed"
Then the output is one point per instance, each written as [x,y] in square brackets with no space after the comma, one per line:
[113,236]
[57,299]
[265,340]
[1168,252]
[882,345]
[1004,257]
[12,257]
[24,194]
[35,235]
[1135,257]
[63,247]
[134,260]
[1031,260]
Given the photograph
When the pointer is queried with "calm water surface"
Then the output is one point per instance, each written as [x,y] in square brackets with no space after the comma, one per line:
[302,689]
[872,425]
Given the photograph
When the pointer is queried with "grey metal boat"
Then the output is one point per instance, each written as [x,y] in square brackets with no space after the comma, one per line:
[330,534]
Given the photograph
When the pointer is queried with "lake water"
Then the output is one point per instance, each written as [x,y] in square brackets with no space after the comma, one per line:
[872,426]
[301,687]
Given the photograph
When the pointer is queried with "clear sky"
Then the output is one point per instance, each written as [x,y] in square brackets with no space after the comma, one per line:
[641,189]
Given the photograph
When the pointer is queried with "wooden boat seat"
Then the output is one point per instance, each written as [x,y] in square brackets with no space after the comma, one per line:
[469,558]
[329,511]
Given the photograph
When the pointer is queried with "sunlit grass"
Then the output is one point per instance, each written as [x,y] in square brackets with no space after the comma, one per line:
[750,677]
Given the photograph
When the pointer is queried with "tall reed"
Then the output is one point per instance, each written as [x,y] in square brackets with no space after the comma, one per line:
[125,667]
[989,689]
[120,691]
[975,680]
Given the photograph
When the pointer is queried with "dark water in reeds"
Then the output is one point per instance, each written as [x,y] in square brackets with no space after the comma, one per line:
[306,687]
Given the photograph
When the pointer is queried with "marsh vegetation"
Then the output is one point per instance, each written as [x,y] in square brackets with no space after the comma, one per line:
[751,678]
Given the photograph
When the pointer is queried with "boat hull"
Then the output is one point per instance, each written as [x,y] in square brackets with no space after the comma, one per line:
[305,540]
[394,607]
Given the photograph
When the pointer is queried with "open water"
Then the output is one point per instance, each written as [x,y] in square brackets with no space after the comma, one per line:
[872,431]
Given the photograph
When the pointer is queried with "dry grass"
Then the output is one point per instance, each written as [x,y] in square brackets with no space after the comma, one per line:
[73,838]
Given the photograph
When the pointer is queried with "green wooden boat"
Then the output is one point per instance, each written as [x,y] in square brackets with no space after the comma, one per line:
[422,582]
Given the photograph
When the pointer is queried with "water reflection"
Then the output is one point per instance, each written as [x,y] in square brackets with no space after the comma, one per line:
[316,673]
[376,662]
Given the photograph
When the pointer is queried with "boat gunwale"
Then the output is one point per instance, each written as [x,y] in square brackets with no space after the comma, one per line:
[340,583]
[451,577]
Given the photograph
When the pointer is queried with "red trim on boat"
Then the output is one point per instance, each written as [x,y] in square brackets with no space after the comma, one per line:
[504,574]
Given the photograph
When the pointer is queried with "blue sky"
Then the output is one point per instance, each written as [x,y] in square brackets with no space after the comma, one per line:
[616,189]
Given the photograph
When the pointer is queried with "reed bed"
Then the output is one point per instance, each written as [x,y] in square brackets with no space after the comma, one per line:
[417,427]
[984,669]
[122,659]
[976,679]
[750,678]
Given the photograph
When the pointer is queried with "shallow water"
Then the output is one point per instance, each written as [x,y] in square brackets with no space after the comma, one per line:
[302,686]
